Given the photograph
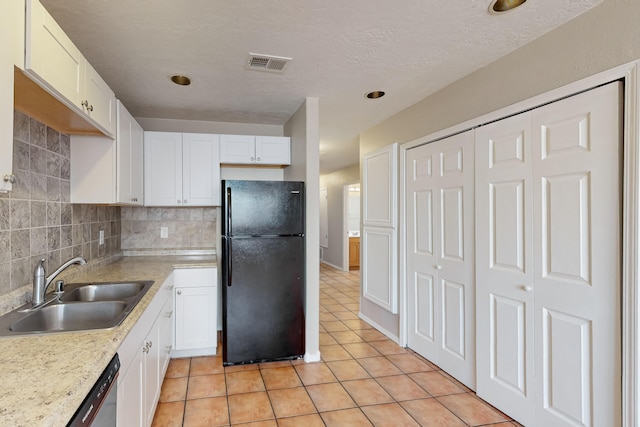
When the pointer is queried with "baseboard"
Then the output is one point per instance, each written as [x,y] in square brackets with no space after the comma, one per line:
[388,334]
[209,351]
[332,265]
[310,358]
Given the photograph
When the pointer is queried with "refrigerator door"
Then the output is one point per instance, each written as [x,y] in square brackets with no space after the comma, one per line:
[263,315]
[259,208]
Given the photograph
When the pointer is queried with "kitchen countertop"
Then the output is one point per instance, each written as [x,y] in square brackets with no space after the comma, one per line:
[45,378]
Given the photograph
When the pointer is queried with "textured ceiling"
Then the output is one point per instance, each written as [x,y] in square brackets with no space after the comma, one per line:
[340,50]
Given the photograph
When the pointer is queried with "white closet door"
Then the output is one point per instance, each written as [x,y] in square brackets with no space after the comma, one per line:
[505,266]
[577,248]
[440,255]
[548,262]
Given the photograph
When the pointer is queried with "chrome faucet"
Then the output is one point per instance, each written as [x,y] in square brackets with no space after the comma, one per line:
[40,284]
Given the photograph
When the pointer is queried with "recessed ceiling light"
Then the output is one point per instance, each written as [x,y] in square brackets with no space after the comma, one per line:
[501,6]
[181,80]
[375,94]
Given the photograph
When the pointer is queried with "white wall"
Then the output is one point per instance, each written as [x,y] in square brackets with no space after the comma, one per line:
[335,182]
[303,128]
[600,39]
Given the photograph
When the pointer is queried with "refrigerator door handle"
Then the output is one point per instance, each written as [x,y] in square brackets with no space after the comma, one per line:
[229,262]
[229,212]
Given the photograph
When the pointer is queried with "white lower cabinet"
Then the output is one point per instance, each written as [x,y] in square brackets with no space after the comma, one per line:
[196,311]
[144,356]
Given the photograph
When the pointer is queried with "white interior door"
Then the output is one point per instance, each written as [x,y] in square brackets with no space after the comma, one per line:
[577,257]
[440,255]
[548,261]
[504,265]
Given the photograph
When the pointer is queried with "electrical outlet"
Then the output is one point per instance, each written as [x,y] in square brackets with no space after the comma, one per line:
[164,232]
[101,238]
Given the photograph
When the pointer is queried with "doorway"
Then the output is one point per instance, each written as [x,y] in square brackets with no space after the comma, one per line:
[351,223]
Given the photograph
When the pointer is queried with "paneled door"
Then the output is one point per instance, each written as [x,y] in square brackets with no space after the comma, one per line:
[548,261]
[440,254]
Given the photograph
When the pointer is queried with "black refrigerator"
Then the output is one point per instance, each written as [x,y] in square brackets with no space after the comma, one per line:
[262,271]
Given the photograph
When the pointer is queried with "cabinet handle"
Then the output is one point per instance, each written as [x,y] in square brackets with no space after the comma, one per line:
[169,314]
[185,201]
[150,344]
[170,287]
[179,292]
[526,288]
[90,108]
[179,201]
[84,103]
[10,178]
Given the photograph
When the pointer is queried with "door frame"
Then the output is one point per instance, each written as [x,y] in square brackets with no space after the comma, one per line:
[630,273]
[345,223]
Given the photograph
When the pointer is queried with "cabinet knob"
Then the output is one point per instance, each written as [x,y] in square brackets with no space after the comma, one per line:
[257,159]
[526,288]
[10,178]
[179,201]
[253,159]
[185,201]
[438,267]
[179,292]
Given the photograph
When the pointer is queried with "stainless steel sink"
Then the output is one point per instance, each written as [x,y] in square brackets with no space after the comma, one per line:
[104,292]
[71,317]
[83,306]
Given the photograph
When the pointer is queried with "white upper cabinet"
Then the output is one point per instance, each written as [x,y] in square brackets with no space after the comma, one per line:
[129,164]
[11,32]
[107,171]
[181,169]
[55,63]
[257,150]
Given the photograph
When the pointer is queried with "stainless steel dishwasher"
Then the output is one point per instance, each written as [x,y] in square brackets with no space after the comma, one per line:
[99,408]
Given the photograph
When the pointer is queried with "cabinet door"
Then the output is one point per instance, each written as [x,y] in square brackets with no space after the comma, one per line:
[163,169]
[129,139]
[10,24]
[51,56]
[130,393]
[152,376]
[379,195]
[273,150]
[165,336]
[200,170]
[237,149]
[380,267]
[195,317]
[100,101]
[440,254]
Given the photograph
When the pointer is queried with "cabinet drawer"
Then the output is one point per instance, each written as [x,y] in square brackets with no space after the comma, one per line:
[195,277]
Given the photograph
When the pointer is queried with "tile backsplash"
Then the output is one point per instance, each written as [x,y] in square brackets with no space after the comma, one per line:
[37,219]
[187,228]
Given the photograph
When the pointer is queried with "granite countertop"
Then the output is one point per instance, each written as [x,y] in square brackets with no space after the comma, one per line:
[45,378]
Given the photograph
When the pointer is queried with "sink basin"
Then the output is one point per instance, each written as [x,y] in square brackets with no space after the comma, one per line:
[83,306]
[71,317]
[104,292]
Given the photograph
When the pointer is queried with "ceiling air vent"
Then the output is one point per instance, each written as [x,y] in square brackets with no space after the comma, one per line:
[273,64]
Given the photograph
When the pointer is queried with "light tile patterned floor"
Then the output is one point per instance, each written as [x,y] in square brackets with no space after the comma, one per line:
[364,379]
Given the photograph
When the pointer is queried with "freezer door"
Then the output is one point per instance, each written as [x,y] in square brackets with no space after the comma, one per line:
[257,208]
[263,316]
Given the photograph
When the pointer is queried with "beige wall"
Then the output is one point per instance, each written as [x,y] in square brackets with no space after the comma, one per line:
[601,39]
[334,183]
[199,126]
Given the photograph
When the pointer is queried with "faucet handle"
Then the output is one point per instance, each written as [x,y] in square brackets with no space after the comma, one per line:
[39,269]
